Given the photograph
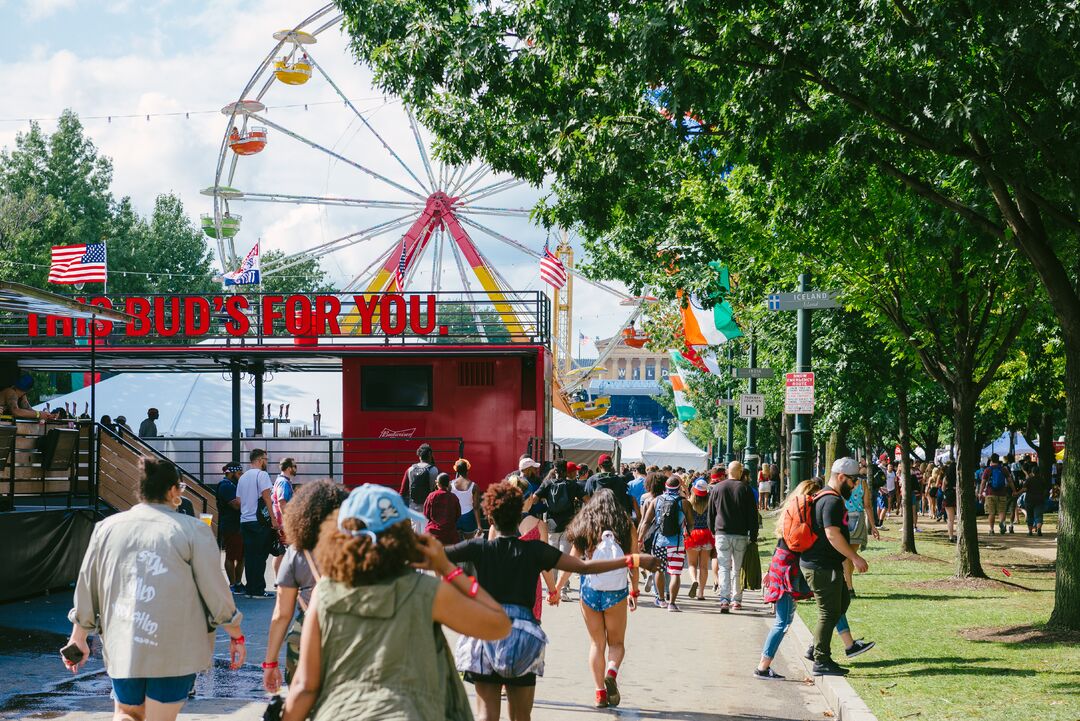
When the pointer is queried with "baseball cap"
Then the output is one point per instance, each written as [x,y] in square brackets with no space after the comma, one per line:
[571,467]
[378,507]
[671,482]
[700,487]
[848,466]
[232,467]
[527,462]
[603,459]
[25,382]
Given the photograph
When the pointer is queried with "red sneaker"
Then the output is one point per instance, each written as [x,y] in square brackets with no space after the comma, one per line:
[601,698]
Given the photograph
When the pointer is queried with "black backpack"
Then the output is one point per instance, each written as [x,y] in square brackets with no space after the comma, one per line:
[420,485]
[562,503]
[667,509]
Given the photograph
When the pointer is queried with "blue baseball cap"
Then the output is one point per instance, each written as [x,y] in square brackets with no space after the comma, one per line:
[25,382]
[378,507]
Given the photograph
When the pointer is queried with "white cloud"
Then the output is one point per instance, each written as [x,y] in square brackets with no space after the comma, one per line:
[35,10]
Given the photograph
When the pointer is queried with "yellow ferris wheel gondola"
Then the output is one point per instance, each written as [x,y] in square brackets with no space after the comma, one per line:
[295,73]
[586,408]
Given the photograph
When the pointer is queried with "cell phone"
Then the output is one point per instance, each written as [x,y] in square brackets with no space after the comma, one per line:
[72,653]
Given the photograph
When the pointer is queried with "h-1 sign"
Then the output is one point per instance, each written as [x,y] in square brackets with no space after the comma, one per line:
[752,405]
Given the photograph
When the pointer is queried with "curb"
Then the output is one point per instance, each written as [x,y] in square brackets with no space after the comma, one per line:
[838,693]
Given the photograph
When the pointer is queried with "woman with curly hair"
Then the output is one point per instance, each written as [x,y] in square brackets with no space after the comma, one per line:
[602,529]
[297,577]
[371,645]
[510,568]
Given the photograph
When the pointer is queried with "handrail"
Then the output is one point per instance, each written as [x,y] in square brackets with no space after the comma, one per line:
[197,487]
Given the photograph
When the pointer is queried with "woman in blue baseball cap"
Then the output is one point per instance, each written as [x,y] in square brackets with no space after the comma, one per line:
[369,646]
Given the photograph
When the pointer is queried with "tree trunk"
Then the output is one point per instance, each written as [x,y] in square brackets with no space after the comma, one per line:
[968,564]
[1046,443]
[930,440]
[835,447]
[907,544]
[1066,614]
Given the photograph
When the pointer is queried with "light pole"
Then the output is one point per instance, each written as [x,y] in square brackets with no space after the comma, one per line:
[750,458]
[802,434]
[729,454]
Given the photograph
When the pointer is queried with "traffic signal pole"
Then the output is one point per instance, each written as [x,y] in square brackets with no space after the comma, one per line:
[802,435]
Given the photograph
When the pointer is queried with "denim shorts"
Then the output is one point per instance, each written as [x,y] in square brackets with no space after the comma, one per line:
[167,689]
[601,601]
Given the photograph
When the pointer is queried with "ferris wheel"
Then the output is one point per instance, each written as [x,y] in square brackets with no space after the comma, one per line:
[416,222]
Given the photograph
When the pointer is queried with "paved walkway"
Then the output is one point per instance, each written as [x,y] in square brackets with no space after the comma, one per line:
[1043,547]
[694,665]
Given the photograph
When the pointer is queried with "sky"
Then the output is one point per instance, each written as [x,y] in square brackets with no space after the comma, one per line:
[110,58]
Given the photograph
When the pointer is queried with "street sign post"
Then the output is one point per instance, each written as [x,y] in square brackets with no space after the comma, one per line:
[805,300]
[754,373]
[752,405]
[799,393]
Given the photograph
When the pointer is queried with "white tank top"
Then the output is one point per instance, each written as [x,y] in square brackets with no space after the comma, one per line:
[464,497]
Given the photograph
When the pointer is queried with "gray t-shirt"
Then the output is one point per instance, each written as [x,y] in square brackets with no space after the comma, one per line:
[248,489]
[296,573]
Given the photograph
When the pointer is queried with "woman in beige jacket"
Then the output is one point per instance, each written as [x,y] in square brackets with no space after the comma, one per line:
[151,586]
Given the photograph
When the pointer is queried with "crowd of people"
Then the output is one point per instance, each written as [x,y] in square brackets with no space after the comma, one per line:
[358,574]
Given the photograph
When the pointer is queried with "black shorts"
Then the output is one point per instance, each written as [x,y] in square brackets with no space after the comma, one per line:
[528,679]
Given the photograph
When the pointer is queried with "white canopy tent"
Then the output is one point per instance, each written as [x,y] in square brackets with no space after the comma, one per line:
[580,442]
[1000,446]
[633,445]
[199,404]
[676,451]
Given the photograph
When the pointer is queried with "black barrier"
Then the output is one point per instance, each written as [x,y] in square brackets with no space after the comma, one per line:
[48,551]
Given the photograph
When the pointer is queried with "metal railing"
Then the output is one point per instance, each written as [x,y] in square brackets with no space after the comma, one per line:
[368,459]
[330,319]
[25,477]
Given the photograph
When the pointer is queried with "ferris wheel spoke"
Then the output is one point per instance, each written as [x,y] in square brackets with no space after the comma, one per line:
[363,277]
[328,24]
[471,180]
[332,154]
[487,210]
[420,146]
[529,251]
[367,125]
[341,243]
[328,200]
[492,189]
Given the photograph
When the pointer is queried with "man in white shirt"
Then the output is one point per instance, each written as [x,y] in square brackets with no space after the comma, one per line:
[258,532]
[890,485]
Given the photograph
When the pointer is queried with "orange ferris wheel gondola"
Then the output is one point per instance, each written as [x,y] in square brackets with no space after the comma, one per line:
[247,143]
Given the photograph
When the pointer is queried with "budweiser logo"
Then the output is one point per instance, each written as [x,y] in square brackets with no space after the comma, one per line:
[404,433]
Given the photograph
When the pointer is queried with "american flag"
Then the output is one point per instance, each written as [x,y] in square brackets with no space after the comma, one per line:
[399,275]
[78,264]
[552,269]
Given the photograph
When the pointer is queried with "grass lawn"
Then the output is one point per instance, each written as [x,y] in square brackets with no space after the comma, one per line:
[949,649]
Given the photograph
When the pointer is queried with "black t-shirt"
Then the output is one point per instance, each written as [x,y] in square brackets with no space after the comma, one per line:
[829,510]
[617,484]
[507,568]
[228,517]
[549,490]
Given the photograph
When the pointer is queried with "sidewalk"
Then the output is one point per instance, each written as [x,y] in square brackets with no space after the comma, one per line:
[694,665]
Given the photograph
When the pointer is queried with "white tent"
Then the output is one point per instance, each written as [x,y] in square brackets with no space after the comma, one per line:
[580,442]
[676,451]
[199,404]
[1000,446]
[635,444]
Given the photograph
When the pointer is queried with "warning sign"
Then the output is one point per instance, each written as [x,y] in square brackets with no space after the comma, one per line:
[799,393]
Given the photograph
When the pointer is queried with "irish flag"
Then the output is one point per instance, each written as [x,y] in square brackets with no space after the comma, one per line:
[714,325]
[683,408]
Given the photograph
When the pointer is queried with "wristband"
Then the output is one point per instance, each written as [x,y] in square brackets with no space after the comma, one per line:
[630,561]
[238,639]
[458,570]
[474,588]
[635,593]
[270,664]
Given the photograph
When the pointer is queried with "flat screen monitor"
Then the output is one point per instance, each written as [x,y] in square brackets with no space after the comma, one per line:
[395,388]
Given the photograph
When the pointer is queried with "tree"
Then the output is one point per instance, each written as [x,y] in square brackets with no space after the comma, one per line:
[969,107]
[304,277]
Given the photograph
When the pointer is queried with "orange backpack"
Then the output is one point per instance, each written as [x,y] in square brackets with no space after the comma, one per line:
[797,521]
